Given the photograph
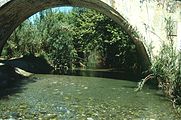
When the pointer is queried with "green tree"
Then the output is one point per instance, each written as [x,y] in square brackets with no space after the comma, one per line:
[74,37]
[95,31]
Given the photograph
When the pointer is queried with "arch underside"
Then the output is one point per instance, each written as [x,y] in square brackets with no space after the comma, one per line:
[14,12]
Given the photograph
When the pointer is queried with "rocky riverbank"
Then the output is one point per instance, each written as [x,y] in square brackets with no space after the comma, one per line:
[30,63]
[9,74]
[13,71]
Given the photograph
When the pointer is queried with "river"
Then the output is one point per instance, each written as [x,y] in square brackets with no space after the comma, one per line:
[61,97]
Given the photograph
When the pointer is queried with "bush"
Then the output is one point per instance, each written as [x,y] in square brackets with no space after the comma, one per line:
[166,68]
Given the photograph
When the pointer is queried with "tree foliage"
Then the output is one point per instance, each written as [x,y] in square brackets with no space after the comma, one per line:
[94,31]
[69,40]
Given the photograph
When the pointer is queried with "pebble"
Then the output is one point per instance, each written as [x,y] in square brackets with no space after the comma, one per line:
[90,119]
[11,118]
[22,106]
[85,88]
[51,116]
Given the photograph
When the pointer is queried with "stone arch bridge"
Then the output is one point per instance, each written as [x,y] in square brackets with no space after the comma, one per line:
[14,12]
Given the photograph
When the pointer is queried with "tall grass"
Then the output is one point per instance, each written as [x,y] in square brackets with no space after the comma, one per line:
[166,68]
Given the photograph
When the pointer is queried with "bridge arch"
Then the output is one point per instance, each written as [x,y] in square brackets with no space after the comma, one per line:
[14,12]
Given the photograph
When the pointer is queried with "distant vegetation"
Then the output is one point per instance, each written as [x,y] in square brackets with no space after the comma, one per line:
[79,38]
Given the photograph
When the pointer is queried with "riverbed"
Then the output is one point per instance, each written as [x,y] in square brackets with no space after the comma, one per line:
[61,97]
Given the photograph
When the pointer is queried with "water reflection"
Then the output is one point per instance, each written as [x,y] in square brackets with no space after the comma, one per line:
[103,73]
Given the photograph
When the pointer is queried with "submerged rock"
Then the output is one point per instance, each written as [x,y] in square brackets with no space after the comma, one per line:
[51,116]
[90,119]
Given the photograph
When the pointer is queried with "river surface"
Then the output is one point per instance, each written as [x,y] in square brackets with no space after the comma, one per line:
[61,97]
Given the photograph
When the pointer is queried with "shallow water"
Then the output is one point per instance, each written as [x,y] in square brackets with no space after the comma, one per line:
[58,97]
